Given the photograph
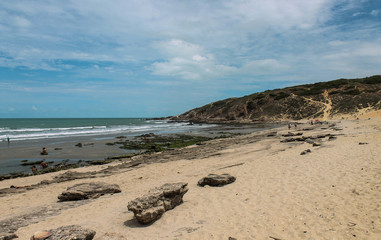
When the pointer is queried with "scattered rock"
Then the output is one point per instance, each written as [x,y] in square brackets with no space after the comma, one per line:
[9,236]
[57,148]
[65,233]
[216,180]
[88,190]
[272,134]
[331,138]
[290,134]
[152,205]
[362,143]
[316,144]
[305,152]
[78,145]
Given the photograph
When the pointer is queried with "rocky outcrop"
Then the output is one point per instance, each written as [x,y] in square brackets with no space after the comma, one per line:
[72,232]
[152,205]
[88,190]
[216,180]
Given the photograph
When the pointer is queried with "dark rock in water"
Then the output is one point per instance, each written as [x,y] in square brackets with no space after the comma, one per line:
[216,180]
[152,205]
[72,232]
[305,152]
[9,236]
[78,145]
[88,190]
[57,148]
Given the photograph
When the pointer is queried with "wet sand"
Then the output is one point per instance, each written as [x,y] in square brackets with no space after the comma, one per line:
[332,192]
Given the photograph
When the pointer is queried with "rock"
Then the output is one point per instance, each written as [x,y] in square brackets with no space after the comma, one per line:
[88,190]
[290,134]
[78,145]
[216,180]
[72,232]
[362,143]
[8,236]
[316,144]
[331,138]
[152,205]
[305,152]
[272,134]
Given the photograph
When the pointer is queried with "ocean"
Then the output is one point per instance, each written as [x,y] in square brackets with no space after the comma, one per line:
[22,129]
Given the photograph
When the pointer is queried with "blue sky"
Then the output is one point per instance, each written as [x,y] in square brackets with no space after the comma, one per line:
[149,58]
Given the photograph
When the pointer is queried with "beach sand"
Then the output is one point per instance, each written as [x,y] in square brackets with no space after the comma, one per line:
[333,192]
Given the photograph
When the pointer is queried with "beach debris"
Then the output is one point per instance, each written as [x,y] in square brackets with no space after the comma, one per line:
[78,145]
[66,232]
[8,236]
[362,143]
[152,205]
[305,152]
[88,190]
[216,180]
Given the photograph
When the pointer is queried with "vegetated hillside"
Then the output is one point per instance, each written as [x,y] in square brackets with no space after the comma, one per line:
[319,100]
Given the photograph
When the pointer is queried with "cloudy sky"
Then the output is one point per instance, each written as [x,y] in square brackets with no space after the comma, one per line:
[150,58]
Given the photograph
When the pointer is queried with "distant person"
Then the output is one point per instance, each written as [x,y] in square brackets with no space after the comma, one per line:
[8,140]
[289,126]
[43,164]
[34,169]
[44,152]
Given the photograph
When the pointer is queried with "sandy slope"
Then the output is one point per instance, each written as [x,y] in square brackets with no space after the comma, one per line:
[334,192]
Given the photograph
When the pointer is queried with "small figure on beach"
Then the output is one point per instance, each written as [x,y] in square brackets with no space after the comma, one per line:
[8,140]
[44,152]
[289,126]
[44,164]
[34,169]
[296,125]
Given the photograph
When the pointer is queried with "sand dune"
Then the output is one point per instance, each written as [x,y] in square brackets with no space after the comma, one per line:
[333,192]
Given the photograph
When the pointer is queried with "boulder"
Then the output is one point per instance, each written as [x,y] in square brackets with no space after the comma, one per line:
[152,205]
[65,233]
[88,190]
[216,180]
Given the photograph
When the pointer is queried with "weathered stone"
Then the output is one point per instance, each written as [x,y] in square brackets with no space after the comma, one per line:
[316,144]
[88,190]
[152,205]
[72,232]
[216,180]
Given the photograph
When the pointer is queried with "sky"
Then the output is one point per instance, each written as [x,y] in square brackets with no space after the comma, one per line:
[149,58]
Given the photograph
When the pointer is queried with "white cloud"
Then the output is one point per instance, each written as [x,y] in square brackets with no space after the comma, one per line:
[375,12]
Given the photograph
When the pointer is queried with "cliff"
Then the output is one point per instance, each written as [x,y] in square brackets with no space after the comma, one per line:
[323,100]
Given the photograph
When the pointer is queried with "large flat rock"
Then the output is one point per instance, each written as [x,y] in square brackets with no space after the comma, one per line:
[72,232]
[152,205]
[216,180]
[88,190]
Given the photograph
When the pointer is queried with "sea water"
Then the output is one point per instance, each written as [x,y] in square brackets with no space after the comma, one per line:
[21,129]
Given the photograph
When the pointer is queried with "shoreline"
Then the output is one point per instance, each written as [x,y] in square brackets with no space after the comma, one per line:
[328,193]
[93,148]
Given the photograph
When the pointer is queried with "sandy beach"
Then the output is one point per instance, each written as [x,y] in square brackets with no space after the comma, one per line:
[332,192]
